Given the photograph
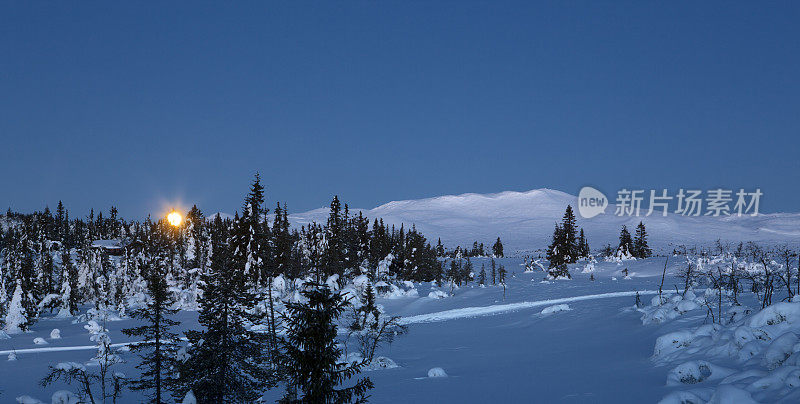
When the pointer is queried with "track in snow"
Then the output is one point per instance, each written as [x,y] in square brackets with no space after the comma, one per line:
[468,312]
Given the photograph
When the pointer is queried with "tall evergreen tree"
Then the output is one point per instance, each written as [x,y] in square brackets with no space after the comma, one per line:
[583,245]
[226,361]
[312,351]
[569,229]
[159,348]
[640,247]
[249,242]
[69,285]
[556,251]
[625,241]
[334,257]
[497,248]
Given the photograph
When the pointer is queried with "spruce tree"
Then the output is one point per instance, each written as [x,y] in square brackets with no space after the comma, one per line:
[439,248]
[569,230]
[312,351]
[625,241]
[497,248]
[501,272]
[583,245]
[334,257]
[226,363]
[248,244]
[69,285]
[640,247]
[159,348]
[494,273]
[482,276]
[556,252]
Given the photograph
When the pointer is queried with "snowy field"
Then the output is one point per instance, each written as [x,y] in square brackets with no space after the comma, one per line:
[577,340]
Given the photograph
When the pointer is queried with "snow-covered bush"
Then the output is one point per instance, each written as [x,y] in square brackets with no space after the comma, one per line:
[65,397]
[436,372]
[555,309]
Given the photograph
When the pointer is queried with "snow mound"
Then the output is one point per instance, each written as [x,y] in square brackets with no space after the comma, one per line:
[437,294]
[189,398]
[762,351]
[696,372]
[555,309]
[67,366]
[730,394]
[55,334]
[665,307]
[39,341]
[28,400]
[436,372]
[64,397]
[379,363]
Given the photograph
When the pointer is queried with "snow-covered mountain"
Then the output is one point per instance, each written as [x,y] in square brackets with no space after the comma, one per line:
[525,220]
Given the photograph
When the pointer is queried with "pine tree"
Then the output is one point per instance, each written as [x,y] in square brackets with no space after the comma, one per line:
[640,247]
[69,285]
[249,239]
[501,272]
[226,361]
[439,248]
[334,257]
[494,273]
[195,222]
[497,248]
[159,348]
[625,241]
[583,245]
[556,252]
[569,229]
[455,273]
[17,315]
[26,275]
[482,276]
[467,274]
[312,351]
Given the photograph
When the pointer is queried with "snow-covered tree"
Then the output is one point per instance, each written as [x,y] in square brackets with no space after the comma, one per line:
[226,360]
[17,315]
[159,349]
[311,361]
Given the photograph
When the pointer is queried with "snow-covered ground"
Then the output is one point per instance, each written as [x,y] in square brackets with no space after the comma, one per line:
[546,341]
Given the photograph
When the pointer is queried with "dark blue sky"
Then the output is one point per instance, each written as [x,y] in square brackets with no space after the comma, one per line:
[147,105]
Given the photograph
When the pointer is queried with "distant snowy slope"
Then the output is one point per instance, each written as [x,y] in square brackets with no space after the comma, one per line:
[525,220]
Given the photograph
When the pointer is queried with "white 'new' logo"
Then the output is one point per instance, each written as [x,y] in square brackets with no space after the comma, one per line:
[591,202]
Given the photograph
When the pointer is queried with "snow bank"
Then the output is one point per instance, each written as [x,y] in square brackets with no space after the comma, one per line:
[28,400]
[670,306]
[436,372]
[437,294]
[556,308]
[64,397]
[763,347]
[695,372]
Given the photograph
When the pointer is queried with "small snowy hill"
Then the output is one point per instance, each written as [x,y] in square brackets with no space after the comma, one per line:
[525,220]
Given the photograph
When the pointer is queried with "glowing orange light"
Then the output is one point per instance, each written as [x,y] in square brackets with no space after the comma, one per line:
[174,218]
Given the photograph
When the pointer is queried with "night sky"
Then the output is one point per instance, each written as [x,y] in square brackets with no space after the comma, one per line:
[151,105]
